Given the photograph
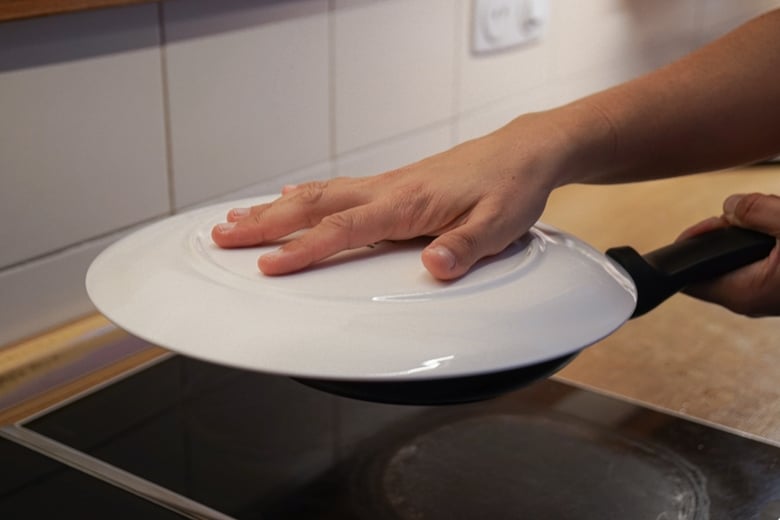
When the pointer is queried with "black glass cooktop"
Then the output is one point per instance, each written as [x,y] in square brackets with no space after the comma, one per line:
[250,446]
[35,486]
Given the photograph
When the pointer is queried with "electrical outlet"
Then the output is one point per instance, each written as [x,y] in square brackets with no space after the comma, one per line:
[502,24]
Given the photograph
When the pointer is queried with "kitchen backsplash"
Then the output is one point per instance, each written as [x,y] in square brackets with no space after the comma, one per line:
[110,119]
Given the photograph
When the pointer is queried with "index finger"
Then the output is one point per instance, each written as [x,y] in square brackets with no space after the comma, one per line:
[296,209]
[349,229]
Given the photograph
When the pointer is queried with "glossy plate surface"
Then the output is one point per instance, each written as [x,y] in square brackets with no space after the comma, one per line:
[372,313]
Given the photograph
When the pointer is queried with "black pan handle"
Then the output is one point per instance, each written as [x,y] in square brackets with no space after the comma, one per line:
[665,271]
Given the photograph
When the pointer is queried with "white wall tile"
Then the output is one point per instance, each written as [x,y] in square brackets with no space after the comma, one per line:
[40,294]
[717,17]
[717,12]
[624,32]
[393,67]
[274,186]
[82,148]
[491,117]
[248,87]
[599,77]
[253,99]
[486,78]
[394,153]
[48,291]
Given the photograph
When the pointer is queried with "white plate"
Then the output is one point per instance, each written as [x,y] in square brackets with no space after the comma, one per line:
[373,313]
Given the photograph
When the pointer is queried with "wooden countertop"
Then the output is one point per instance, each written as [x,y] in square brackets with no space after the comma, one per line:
[686,357]
[19,9]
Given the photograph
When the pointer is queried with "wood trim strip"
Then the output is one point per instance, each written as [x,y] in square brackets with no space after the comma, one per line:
[20,9]
[38,356]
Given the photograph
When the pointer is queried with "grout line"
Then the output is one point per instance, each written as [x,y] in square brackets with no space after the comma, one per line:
[389,140]
[166,107]
[457,86]
[168,161]
[116,232]
[332,145]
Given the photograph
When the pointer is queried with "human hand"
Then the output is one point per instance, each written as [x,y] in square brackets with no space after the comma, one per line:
[755,289]
[475,198]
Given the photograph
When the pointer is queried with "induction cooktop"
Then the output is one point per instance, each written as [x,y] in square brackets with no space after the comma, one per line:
[180,438]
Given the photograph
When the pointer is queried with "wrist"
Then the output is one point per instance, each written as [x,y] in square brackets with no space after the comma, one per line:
[570,144]
[587,143]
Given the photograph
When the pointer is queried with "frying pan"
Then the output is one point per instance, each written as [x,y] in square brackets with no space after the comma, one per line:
[372,324]
[656,275]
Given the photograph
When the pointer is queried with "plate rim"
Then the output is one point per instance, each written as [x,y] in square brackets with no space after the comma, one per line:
[419,371]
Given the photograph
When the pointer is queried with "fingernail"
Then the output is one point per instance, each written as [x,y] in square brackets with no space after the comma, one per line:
[263,261]
[446,255]
[225,227]
[730,204]
[288,187]
[273,255]
[239,212]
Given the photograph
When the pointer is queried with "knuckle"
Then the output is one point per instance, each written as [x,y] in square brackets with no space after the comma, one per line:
[257,219]
[257,215]
[311,192]
[748,206]
[344,226]
[420,208]
[759,211]
[465,243]
[412,207]
[339,221]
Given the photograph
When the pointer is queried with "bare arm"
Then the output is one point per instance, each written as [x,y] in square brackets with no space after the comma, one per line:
[715,108]
[718,107]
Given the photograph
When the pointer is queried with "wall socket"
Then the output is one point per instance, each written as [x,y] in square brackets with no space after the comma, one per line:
[503,24]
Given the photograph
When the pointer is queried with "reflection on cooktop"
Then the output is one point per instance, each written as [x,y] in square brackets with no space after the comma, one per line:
[257,446]
[556,466]
[35,486]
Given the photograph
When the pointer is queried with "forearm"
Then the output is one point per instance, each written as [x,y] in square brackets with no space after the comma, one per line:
[718,107]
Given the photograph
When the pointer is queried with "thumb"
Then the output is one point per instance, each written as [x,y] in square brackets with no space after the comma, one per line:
[453,253]
[754,211]
[487,230]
